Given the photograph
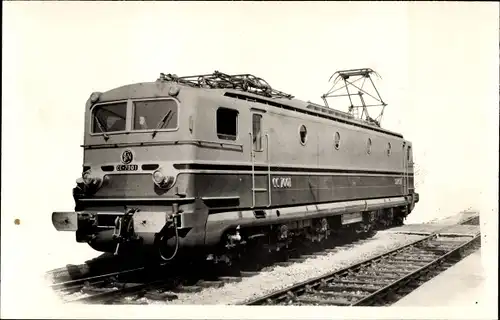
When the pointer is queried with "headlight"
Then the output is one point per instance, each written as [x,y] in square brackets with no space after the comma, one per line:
[173,91]
[90,179]
[87,177]
[163,180]
[94,97]
[158,177]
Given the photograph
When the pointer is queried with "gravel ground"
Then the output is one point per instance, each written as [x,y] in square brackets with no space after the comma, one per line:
[72,296]
[465,229]
[455,239]
[448,220]
[281,277]
[454,219]
[437,224]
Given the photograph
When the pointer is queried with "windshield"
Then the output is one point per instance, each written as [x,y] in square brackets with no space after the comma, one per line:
[148,115]
[155,114]
[110,117]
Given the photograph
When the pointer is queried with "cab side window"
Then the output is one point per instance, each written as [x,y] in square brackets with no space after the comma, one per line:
[257,131]
[227,124]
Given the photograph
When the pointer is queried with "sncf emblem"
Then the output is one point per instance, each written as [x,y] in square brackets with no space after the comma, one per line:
[127,157]
[282,182]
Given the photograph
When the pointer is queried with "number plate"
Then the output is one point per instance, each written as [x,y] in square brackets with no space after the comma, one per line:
[127,167]
[282,182]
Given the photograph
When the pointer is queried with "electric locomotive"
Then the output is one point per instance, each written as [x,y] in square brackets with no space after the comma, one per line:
[204,164]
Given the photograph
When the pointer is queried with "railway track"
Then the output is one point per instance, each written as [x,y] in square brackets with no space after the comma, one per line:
[383,279]
[161,283]
[146,284]
[101,265]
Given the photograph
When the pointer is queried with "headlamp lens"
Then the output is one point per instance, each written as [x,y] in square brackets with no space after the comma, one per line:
[87,177]
[158,177]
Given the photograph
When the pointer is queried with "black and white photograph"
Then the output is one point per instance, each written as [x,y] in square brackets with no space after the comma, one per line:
[249,159]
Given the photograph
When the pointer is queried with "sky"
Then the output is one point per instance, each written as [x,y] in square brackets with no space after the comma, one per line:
[438,62]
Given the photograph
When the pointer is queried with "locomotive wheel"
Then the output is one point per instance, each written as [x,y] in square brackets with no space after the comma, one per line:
[398,221]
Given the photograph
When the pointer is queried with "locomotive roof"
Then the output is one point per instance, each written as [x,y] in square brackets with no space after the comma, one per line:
[263,95]
[307,107]
[250,87]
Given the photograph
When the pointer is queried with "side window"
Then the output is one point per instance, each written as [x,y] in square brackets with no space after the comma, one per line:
[337,140]
[257,131]
[303,134]
[227,124]
[408,154]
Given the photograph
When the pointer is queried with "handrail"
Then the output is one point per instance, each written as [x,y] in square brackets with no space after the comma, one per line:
[162,143]
[268,169]
[253,168]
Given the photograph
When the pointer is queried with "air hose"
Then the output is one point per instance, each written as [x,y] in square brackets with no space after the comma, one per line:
[176,242]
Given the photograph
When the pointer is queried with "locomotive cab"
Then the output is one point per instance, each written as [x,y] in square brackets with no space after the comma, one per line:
[130,191]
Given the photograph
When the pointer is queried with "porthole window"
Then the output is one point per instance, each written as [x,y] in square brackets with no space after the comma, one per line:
[369,146]
[337,140]
[388,149]
[303,134]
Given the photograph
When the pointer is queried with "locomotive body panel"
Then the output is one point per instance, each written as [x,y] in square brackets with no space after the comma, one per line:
[281,163]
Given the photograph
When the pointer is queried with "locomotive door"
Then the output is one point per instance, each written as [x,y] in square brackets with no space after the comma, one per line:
[406,169]
[261,170]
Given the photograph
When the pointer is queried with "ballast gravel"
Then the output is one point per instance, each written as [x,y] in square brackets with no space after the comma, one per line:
[282,277]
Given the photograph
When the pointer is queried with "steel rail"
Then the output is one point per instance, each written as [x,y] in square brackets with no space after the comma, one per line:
[299,288]
[377,295]
[103,297]
[69,283]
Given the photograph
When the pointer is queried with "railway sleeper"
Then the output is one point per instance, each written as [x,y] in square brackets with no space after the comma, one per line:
[374,274]
[210,284]
[128,289]
[407,264]
[444,244]
[315,300]
[70,290]
[228,279]
[452,243]
[397,268]
[361,282]
[97,290]
[187,289]
[438,251]
[351,287]
[301,259]
[247,274]
[412,255]
[314,255]
[425,256]
[392,261]
[419,252]
[384,272]
[335,294]
[160,296]
[131,302]
[408,260]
